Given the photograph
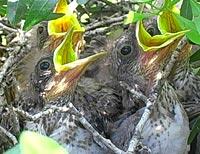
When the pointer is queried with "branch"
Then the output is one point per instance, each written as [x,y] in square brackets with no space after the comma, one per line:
[103,142]
[18,52]
[137,94]
[9,135]
[35,117]
[97,137]
[104,23]
[102,30]
[8,28]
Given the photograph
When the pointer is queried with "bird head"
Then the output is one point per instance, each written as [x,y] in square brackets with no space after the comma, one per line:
[156,50]
[151,45]
[124,54]
[68,68]
[46,76]
[52,71]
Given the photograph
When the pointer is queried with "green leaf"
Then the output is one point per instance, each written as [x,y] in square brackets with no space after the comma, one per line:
[186,10]
[3,2]
[195,130]
[53,16]
[175,2]
[193,35]
[195,57]
[40,10]
[167,21]
[197,23]
[34,143]
[195,8]
[3,10]
[14,150]
[168,4]
[16,10]
[135,16]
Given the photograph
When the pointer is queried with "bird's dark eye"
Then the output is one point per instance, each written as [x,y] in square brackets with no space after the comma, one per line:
[125,50]
[44,65]
[151,31]
[40,30]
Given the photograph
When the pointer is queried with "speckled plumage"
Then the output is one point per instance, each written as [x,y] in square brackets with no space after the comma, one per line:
[125,67]
[165,132]
[187,85]
[167,129]
[91,98]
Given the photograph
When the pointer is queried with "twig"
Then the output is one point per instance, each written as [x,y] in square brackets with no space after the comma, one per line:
[153,97]
[9,135]
[20,49]
[137,94]
[8,28]
[104,23]
[139,127]
[102,30]
[40,114]
[97,137]
[116,6]
[98,31]
[8,64]
[2,48]
[19,52]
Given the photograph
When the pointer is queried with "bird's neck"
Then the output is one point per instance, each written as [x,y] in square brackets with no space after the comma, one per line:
[182,66]
[166,102]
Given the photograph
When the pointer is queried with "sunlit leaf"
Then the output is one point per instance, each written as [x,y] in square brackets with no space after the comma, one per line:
[135,16]
[14,150]
[198,73]
[197,23]
[34,143]
[167,22]
[168,4]
[40,10]
[149,43]
[193,33]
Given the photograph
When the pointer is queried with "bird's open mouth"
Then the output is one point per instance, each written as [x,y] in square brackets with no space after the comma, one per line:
[64,82]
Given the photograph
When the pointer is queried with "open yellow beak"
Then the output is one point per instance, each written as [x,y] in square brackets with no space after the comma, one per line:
[64,82]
